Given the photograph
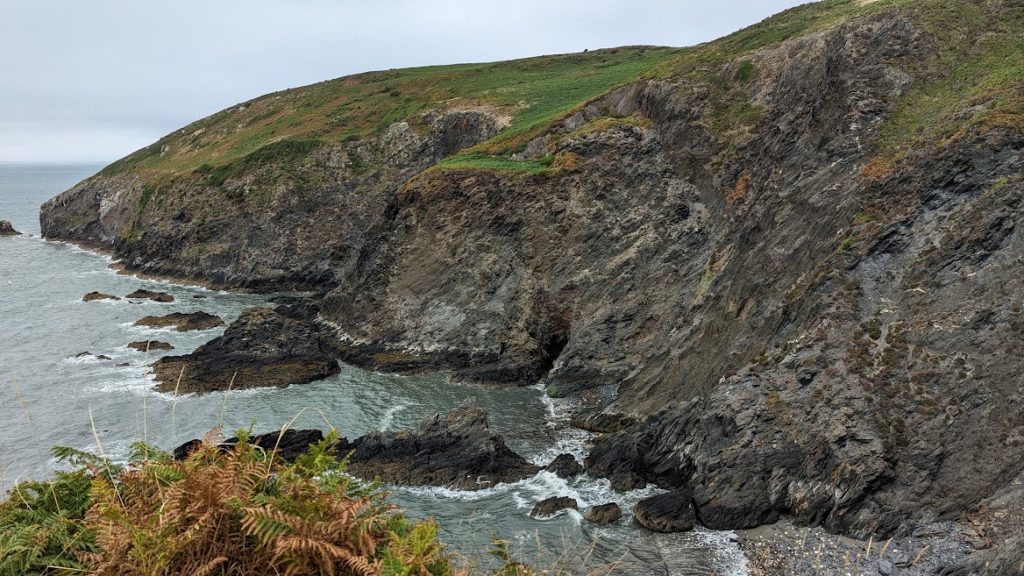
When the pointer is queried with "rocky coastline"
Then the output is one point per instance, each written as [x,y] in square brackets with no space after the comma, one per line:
[809,306]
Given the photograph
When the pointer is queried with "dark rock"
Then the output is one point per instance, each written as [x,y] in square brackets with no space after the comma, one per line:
[261,348]
[6,229]
[102,357]
[288,444]
[150,345]
[92,296]
[141,294]
[198,297]
[96,356]
[549,506]
[455,450]
[885,568]
[123,364]
[182,322]
[565,466]
[602,422]
[604,513]
[668,512]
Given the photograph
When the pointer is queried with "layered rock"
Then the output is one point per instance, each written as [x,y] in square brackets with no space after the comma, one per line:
[142,294]
[182,321]
[456,450]
[553,505]
[264,347]
[150,345]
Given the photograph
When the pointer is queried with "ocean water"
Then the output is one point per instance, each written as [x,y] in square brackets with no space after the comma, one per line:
[51,396]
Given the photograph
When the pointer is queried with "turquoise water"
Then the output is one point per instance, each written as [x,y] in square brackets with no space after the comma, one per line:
[48,397]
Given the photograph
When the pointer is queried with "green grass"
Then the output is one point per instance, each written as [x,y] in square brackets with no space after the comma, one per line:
[979,60]
[975,81]
[531,92]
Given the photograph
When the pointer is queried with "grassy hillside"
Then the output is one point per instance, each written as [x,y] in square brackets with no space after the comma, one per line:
[979,61]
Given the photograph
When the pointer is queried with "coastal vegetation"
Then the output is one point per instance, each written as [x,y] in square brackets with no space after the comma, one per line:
[237,511]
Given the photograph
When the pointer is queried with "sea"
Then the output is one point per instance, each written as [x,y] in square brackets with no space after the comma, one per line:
[51,394]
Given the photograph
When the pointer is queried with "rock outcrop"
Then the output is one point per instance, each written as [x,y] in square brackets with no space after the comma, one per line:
[604,513]
[150,345]
[456,450]
[93,296]
[288,444]
[668,512]
[551,506]
[565,466]
[799,261]
[182,321]
[264,347]
[142,294]
[6,229]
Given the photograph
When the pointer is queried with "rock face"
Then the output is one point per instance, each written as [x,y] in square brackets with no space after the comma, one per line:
[150,345]
[801,268]
[93,296]
[149,295]
[565,466]
[604,513]
[6,229]
[264,347]
[182,322]
[456,450]
[668,512]
[549,506]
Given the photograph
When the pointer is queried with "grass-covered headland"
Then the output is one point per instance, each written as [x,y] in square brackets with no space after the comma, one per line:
[219,512]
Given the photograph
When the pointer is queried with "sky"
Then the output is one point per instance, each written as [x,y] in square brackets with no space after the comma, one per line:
[95,80]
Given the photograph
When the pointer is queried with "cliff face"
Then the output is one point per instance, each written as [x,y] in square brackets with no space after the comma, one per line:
[795,251]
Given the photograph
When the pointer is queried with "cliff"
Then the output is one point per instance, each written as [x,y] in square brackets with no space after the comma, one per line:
[794,252]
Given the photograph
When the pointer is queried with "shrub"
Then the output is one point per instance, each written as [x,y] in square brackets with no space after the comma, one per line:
[225,512]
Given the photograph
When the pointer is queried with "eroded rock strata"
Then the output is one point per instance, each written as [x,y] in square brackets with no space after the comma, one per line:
[799,261]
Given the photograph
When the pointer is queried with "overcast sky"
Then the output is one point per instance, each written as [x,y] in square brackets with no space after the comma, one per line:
[95,80]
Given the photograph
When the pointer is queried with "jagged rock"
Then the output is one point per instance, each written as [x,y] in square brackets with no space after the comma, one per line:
[565,466]
[93,296]
[668,512]
[182,322]
[549,506]
[96,356]
[142,294]
[455,450]
[604,513]
[6,229]
[150,345]
[288,444]
[262,348]
[602,422]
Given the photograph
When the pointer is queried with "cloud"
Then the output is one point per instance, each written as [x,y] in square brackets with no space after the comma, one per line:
[97,80]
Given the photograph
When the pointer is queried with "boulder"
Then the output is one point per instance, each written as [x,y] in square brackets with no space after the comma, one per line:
[456,450]
[667,512]
[549,506]
[565,466]
[604,513]
[262,348]
[93,296]
[182,321]
[96,356]
[150,295]
[6,229]
[288,444]
[150,345]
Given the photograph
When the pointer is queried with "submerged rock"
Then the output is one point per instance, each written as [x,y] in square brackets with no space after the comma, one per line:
[150,295]
[668,512]
[182,321]
[93,296]
[6,229]
[262,348]
[150,345]
[456,450]
[549,506]
[604,513]
[565,466]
